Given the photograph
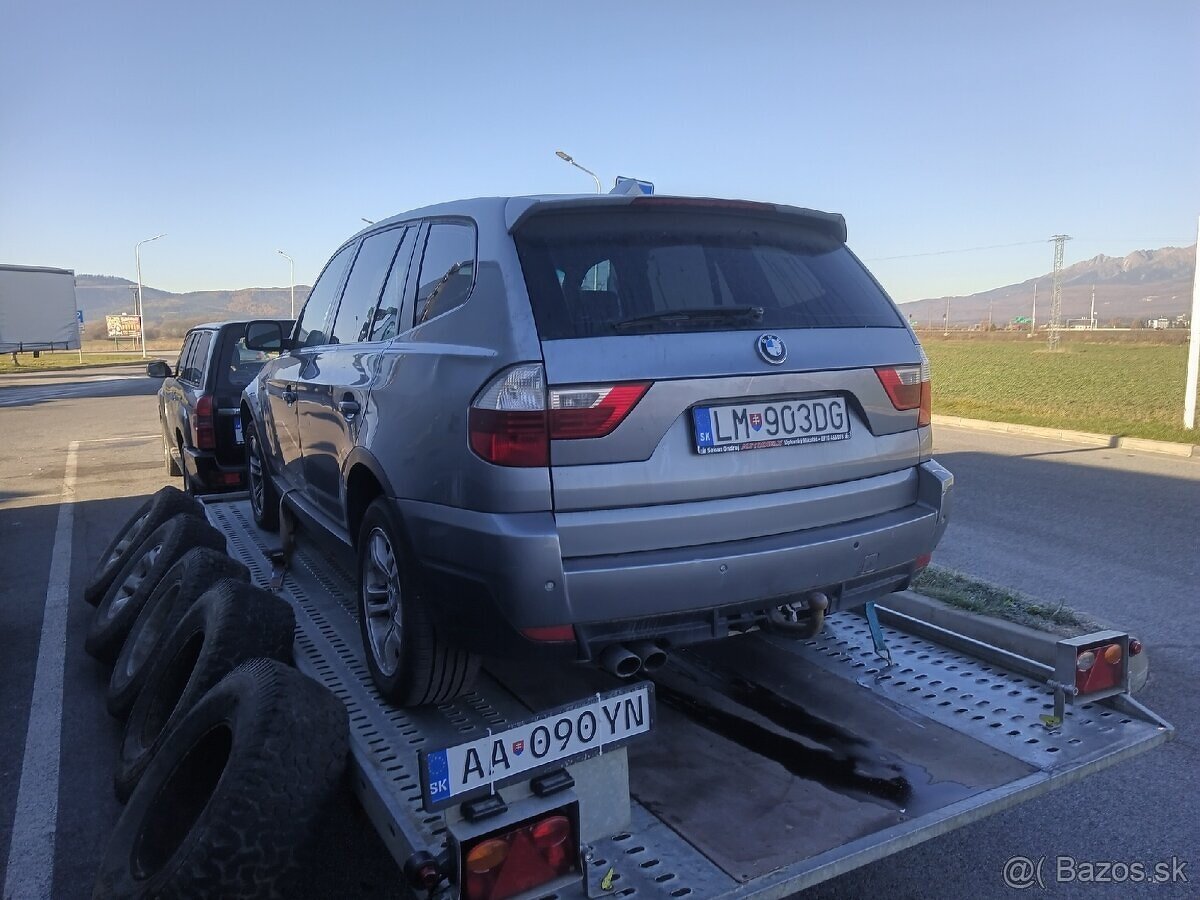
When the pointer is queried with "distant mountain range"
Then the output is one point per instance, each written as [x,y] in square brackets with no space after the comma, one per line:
[1146,284]
[102,295]
[1143,285]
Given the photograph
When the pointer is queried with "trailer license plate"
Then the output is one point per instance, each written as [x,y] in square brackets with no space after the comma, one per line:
[552,740]
[779,423]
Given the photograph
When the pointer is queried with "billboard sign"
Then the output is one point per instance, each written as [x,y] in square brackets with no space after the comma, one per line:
[123,326]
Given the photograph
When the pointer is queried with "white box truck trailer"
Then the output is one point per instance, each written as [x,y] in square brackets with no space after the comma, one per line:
[37,309]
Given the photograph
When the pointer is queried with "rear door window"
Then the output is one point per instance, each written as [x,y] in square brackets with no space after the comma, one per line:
[194,373]
[310,329]
[447,269]
[185,353]
[356,311]
[608,272]
[397,296]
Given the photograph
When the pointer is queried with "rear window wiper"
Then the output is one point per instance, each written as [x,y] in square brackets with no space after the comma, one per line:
[716,314]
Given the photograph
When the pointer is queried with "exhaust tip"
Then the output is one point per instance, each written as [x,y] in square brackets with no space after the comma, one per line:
[620,661]
[653,656]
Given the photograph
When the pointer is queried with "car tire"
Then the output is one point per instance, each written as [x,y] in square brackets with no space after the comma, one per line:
[264,499]
[133,585]
[229,625]
[237,793]
[189,485]
[195,573]
[410,665]
[165,504]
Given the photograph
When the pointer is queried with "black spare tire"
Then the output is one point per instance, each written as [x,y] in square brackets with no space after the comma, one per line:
[236,793]
[196,572]
[231,623]
[138,578]
[163,505]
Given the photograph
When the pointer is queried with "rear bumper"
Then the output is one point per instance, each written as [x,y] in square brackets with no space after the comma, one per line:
[209,474]
[513,563]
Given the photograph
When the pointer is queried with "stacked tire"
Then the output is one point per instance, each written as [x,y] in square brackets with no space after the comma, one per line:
[230,756]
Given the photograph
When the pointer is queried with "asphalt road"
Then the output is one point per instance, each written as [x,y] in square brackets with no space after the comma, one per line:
[1110,532]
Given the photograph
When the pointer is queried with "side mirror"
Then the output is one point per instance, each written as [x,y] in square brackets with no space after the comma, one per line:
[265,336]
[158,369]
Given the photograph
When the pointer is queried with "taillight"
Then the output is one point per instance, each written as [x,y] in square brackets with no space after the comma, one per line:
[591,411]
[908,387]
[204,435]
[531,855]
[514,418]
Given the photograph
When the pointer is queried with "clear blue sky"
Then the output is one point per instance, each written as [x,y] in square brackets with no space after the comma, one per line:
[242,127]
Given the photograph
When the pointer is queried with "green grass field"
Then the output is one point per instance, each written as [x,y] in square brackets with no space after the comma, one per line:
[1128,390]
[65,359]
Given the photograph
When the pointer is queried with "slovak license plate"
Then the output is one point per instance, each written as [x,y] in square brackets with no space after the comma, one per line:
[779,423]
[550,740]
[237,430]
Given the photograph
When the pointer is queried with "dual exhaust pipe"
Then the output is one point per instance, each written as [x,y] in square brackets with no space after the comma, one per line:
[626,660]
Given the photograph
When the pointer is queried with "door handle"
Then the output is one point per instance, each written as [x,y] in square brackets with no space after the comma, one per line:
[349,408]
[289,396]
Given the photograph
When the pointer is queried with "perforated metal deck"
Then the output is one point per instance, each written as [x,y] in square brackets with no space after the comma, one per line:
[665,854]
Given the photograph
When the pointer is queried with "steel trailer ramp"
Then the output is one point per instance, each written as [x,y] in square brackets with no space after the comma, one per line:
[774,764]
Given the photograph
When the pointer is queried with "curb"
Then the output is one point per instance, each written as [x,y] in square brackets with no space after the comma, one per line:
[1015,638]
[1145,445]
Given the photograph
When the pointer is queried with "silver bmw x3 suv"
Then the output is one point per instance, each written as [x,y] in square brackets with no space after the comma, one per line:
[598,426]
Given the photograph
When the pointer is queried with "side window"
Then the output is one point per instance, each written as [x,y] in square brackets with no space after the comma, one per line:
[447,269]
[310,329]
[386,324]
[357,309]
[185,352]
[194,373]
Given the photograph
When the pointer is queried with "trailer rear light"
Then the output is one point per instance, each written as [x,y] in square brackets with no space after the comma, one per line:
[204,434]
[1099,668]
[514,418]
[909,387]
[550,633]
[522,858]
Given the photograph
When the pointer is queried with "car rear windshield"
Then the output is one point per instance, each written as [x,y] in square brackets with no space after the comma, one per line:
[623,271]
[237,366]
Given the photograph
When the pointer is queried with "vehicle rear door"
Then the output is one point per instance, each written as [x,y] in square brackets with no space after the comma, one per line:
[170,396]
[191,381]
[760,325]
[233,368]
[336,386]
[288,376]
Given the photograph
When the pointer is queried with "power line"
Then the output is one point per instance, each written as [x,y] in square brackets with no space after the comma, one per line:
[947,252]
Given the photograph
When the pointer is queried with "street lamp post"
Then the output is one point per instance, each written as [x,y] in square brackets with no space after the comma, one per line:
[292,271]
[566,157]
[137,254]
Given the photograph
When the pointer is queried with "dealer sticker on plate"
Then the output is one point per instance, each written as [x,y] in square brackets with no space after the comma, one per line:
[776,423]
[552,740]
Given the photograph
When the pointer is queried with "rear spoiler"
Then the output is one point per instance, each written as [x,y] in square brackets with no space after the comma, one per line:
[518,209]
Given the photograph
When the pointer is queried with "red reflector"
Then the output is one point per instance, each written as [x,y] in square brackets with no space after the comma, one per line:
[510,438]
[550,633]
[1099,668]
[922,561]
[925,416]
[231,478]
[591,412]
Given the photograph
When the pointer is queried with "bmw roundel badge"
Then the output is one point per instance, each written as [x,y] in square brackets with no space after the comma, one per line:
[771,348]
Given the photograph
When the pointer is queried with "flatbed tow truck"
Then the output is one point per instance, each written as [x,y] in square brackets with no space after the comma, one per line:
[755,766]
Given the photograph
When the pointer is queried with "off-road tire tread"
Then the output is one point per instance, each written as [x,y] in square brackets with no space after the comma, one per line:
[290,744]
[239,622]
[198,571]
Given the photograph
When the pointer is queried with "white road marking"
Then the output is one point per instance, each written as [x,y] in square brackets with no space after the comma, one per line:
[30,871]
